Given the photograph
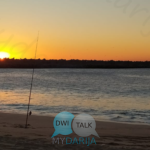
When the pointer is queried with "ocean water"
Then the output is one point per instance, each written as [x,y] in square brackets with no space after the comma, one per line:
[121,95]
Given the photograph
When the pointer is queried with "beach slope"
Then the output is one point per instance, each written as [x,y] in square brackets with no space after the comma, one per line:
[14,135]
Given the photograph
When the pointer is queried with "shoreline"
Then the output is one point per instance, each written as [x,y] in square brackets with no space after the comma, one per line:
[96,119]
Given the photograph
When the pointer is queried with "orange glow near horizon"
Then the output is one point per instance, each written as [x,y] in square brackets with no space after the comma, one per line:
[83,48]
[86,49]
[78,53]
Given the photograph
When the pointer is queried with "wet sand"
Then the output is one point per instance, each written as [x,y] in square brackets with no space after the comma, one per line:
[14,135]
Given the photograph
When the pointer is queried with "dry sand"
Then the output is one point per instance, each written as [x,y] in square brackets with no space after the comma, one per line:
[14,136]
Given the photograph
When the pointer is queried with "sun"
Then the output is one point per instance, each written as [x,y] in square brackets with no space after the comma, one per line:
[4,55]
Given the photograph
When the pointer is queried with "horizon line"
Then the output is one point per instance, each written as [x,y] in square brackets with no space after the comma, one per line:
[3,59]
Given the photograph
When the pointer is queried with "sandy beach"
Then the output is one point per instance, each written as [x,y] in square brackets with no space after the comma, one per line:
[13,135]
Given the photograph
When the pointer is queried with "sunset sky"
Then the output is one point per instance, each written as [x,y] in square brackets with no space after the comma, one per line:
[76,29]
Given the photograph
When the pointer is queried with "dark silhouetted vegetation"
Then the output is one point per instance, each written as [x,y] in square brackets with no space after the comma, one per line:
[38,63]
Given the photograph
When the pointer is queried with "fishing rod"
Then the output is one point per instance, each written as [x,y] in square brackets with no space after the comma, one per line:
[26,125]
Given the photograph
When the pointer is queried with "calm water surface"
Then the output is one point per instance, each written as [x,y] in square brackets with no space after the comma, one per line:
[121,95]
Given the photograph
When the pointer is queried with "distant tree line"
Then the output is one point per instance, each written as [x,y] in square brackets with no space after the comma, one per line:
[62,63]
